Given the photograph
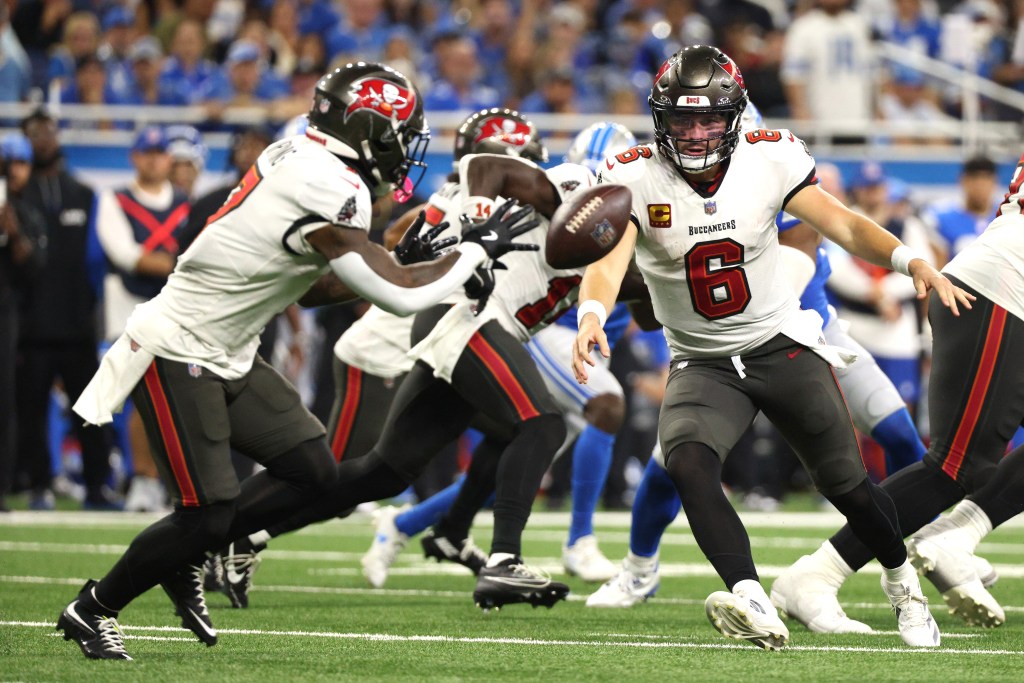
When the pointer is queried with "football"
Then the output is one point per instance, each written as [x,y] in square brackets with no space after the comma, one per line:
[587,226]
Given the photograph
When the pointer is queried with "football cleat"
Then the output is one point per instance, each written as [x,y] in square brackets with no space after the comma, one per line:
[388,541]
[953,572]
[585,560]
[916,625]
[738,616]
[463,552]
[986,572]
[805,593]
[511,581]
[241,559]
[185,589]
[213,574]
[627,588]
[98,636]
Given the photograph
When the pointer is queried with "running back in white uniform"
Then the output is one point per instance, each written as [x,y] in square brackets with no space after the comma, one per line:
[252,260]
[712,264]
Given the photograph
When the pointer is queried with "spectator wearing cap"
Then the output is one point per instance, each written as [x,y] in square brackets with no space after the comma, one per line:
[22,251]
[186,71]
[244,82]
[81,40]
[881,307]
[146,86]
[139,227]
[118,33]
[362,31]
[58,335]
[459,86]
[955,223]
[188,157]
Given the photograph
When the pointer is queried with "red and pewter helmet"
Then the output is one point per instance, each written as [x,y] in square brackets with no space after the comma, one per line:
[372,116]
[699,79]
[500,131]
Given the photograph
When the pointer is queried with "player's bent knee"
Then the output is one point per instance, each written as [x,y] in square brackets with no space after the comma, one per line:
[547,430]
[310,464]
[211,521]
[607,412]
[838,477]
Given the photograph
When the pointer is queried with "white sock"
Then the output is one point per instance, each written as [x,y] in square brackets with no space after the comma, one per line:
[260,537]
[639,564]
[497,558]
[972,521]
[833,563]
[903,575]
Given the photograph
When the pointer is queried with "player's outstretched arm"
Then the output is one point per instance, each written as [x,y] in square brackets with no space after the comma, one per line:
[862,237]
[487,176]
[598,291]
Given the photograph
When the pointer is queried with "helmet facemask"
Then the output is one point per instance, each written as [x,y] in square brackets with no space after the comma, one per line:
[676,146]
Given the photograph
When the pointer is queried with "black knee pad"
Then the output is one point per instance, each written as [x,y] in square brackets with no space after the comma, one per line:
[310,464]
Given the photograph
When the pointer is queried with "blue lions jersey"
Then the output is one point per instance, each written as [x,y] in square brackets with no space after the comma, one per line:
[814,297]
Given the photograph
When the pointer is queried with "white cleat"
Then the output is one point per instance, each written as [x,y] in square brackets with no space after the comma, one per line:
[737,616]
[585,560]
[627,588]
[803,592]
[388,541]
[916,625]
[986,572]
[954,573]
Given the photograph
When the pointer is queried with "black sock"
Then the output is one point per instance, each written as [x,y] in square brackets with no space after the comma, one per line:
[696,471]
[164,547]
[1002,498]
[476,489]
[520,470]
[919,492]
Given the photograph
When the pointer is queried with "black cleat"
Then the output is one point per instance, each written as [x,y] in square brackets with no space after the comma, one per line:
[185,589]
[213,574]
[463,552]
[512,581]
[240,561]
[98,636]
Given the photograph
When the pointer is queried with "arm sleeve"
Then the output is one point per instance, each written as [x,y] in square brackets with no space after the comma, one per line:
[115,233]
[357,275]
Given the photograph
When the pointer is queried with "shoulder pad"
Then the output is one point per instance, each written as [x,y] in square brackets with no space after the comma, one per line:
[627,166]
[777,145]
[569,178]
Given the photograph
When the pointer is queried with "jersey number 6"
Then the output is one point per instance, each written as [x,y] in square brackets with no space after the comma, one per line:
[723,291]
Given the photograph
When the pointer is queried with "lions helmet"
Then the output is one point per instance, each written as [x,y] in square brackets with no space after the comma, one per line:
[597,142]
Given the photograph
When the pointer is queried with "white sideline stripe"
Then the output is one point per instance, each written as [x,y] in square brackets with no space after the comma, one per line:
[423,593]
[752,520]
[420,567]
[389,637]
[945,634]
[163,638]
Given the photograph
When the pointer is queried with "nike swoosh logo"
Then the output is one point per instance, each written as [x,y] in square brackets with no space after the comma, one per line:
[609,164]
[489,237]
[201,623]
[793,355]
[81,622]
[353,184]
[234,577]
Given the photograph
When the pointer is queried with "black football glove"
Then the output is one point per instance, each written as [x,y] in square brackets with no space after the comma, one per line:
[481,285]
[496,233]
[417,248]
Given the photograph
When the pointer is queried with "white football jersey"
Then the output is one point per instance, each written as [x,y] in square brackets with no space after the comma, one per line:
[378,343]
[994,263]
[252,260]
[527,297]
[711,260]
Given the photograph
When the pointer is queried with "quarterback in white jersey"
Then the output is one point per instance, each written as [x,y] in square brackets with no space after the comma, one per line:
[975,397]
[299,217]
[704,238]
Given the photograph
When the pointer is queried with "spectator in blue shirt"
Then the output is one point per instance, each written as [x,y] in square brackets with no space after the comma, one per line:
[557,94]
[90,87]
[361,32]
[955,224]
[245,80]
[459,87]
[317,16]
[118,31]
[15,77]
[146,86]
[186,70]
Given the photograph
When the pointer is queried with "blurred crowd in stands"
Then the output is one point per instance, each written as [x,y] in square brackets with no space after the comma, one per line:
[71,258]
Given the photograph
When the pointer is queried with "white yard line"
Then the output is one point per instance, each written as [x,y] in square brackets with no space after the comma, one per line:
[537,642]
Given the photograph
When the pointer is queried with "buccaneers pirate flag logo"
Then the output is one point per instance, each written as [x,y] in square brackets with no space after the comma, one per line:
[381,97]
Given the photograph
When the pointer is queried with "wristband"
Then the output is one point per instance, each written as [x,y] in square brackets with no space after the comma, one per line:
[592,306]
[478,208]
[901,258]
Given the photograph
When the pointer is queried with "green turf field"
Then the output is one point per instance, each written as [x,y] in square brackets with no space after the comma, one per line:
[313,618]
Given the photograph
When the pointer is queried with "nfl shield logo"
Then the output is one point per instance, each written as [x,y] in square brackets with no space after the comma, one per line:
[710,207]
[195,370]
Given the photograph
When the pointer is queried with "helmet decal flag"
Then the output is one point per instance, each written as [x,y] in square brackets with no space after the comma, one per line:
[506,129]
[381,97]
[730,68]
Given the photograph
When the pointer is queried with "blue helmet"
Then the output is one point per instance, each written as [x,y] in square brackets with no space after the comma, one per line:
[185,143]
[751,119]
[597,142]
[16,147]
[294,126]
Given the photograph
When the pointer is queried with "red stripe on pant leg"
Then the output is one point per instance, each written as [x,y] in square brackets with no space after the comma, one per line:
[169,434]
[979,388]
[499,368]
[347,414]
